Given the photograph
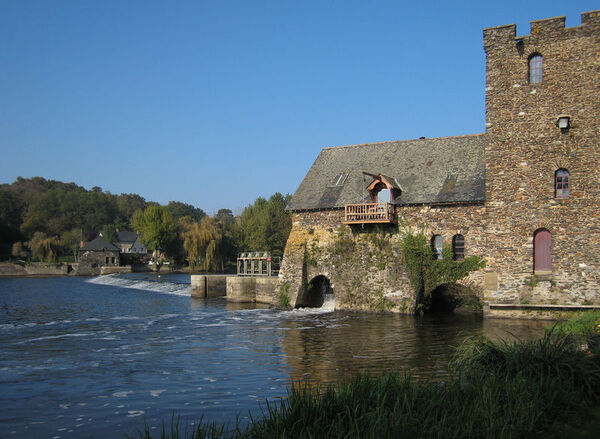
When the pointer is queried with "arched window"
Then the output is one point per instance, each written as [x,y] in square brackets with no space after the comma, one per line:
[535,68]
[458,247]
[437,245]
[561,183]
[542,251]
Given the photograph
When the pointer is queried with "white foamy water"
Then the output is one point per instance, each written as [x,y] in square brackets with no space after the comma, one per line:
[161,286]
[329,303]
[327,307]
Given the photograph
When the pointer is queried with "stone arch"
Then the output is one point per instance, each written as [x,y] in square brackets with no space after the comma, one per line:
[316,293]
[448,297]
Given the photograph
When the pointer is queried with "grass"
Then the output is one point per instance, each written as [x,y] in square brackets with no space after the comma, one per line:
[585,323]
[501,389]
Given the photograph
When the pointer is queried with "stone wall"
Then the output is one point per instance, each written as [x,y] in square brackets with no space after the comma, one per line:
[526,147]
[33,269]
[365,265]
[91,257]
[111,269]
[258,289]
[206,286]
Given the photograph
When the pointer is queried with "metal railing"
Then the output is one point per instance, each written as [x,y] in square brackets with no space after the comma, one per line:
[257,264]
[369,213]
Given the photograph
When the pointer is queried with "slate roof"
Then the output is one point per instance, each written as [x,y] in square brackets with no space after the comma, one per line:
[429,171]
[126,236]
[99,244]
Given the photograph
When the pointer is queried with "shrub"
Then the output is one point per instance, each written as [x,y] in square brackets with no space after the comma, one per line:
[586,323]
[284,298]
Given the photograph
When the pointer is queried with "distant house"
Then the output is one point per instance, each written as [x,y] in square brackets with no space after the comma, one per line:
[97,253]
[128,242]
[138,248]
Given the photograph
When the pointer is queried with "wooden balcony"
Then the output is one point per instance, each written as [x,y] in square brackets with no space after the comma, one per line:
[370,213]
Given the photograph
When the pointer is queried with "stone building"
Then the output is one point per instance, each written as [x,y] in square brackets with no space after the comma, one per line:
[129,243]
[95,254]
[524,196]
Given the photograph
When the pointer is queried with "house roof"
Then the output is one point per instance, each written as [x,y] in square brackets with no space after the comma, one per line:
[428,171]
[99,244]
[126,236]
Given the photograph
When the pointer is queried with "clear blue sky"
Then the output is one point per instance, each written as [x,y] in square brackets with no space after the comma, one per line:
[215,103]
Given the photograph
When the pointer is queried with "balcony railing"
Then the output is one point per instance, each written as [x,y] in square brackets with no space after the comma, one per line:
[369,213]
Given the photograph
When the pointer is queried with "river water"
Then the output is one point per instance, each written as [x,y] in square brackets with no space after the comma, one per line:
[94,357]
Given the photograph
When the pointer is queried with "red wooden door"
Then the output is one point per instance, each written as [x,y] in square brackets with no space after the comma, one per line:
[542,248]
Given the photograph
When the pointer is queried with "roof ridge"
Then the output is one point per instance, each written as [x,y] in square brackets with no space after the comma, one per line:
[404,140]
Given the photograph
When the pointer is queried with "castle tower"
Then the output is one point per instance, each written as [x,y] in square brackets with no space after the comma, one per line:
[543,162]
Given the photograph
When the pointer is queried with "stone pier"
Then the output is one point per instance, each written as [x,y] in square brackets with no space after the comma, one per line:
[258,289]
[206,286]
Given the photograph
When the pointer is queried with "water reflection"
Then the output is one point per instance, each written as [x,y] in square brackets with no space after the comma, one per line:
[109,348]
[331,347]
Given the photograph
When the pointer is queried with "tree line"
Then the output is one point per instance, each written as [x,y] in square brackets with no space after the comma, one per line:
[46,220]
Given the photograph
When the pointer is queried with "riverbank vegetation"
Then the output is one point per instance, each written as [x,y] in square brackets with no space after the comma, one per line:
[45,220]
[520,389]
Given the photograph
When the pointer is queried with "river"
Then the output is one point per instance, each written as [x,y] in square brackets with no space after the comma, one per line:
[94,357]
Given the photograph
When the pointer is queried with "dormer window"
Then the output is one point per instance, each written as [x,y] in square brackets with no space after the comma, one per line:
[383,189]
[535,68]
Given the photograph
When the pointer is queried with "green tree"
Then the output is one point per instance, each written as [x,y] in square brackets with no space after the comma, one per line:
[109,233]
[229,244]
[10,220]
[68,206]
[70,241]
[178,210]
[127,205]
[19,251]
[265,225]
[156,229]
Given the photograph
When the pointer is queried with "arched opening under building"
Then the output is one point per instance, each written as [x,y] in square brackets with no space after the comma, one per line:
[449,298]
[318,294]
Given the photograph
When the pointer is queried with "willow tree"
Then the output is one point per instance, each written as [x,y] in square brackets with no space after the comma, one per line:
[202,243]
[44,248]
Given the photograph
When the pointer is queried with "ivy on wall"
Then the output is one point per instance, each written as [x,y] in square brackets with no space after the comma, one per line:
[427,273]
